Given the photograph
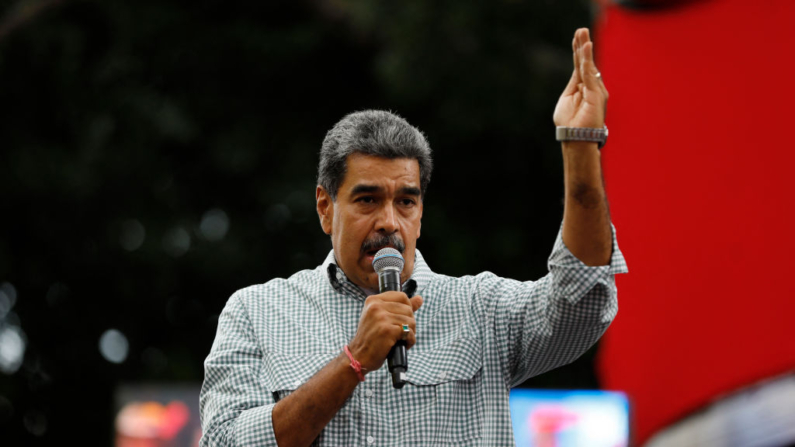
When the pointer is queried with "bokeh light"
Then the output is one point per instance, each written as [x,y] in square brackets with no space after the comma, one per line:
[113,346]
[214,225]
[35,422]
[176,242]
[12,348]
[132,235]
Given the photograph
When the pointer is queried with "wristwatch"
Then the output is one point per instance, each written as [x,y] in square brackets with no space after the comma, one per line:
[582,134]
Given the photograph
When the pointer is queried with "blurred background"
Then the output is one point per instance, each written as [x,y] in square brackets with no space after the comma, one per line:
[156,156]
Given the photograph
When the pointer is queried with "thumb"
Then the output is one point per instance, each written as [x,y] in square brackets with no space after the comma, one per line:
[416,302]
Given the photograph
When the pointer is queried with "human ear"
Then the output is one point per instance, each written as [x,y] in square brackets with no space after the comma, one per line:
[325,209]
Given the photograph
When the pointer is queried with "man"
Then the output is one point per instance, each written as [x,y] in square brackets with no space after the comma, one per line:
[301,360]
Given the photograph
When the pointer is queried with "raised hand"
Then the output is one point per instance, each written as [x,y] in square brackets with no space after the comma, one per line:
[584,101]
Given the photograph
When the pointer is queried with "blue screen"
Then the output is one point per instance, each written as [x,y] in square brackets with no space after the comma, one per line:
[546,418]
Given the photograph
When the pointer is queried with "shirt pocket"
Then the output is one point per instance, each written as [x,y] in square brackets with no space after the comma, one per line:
[442,401]
[283,373]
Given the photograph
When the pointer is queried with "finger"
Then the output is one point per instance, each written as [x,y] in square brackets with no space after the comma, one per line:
[416,302]
[397,297]
[576,53]
[392,316]
[582,39]
[571,87]
[396,327]
[589,63]
[602,83]
[400,309]
[588,68]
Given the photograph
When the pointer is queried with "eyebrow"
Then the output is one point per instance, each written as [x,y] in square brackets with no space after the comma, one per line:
[369,189]
[364,189]
[409,191]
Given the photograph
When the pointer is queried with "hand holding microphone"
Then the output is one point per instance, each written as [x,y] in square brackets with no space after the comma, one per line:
[388,263]
[381,333]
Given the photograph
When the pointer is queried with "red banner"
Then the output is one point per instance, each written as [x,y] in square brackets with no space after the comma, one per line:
[700,169]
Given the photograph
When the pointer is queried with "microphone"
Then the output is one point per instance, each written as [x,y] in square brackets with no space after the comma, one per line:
[388,263]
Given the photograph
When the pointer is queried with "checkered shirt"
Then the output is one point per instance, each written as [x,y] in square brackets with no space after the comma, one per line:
[477,336]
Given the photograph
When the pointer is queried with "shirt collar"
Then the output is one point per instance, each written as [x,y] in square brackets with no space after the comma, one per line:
[420,277]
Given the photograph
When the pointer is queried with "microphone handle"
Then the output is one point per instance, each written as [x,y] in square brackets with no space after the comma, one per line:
[397,360]
[398,364]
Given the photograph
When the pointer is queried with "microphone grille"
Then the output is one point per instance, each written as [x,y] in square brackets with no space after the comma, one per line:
[388,257]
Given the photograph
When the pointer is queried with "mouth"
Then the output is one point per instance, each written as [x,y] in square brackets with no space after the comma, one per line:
[376,250]
[371,246]
[368,258]
[369,255]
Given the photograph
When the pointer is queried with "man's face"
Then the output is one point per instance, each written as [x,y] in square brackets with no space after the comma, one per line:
[378,198]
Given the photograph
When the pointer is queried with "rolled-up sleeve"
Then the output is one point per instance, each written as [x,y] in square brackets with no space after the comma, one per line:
[540,325]
[235,406]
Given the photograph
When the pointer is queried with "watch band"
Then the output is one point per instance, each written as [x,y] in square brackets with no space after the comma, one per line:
[582,134]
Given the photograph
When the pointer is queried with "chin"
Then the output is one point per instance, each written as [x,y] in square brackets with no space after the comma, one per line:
[372,282]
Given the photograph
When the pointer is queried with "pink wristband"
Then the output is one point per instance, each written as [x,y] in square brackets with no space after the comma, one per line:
[357,367]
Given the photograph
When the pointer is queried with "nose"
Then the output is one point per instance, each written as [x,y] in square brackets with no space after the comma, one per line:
[387,219]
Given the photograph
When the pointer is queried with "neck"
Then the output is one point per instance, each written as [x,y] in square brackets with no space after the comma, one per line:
[369,292]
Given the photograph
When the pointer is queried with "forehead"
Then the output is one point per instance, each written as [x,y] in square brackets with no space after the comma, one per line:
[369,169]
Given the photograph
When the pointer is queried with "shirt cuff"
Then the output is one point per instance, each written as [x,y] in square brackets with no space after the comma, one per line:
[561,255]
[572,278]
[255,427]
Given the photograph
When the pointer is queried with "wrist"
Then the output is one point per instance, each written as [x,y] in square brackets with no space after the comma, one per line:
[580,146]
[578,155]
[354,364]
[343,370]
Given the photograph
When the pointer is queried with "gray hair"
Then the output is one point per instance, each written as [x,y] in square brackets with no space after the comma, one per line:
[371,132]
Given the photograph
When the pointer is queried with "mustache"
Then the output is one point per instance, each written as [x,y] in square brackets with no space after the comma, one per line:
[381,241]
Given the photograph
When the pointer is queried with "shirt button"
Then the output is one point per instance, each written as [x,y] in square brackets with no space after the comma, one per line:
[369,393]
[370,440]
[443,375]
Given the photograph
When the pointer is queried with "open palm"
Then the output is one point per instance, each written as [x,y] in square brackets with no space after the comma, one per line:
[584,101]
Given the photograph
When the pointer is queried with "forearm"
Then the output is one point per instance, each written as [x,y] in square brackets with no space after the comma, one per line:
[586,217]
[300,417]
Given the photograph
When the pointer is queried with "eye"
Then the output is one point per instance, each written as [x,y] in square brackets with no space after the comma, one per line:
[407,202]
[366,199]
